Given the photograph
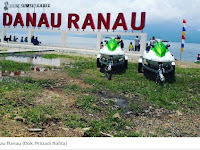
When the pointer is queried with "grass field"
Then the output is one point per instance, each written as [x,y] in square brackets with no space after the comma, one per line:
[79,98]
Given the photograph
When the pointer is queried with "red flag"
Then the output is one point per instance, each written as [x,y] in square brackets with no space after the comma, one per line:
[184,21]
[183,37]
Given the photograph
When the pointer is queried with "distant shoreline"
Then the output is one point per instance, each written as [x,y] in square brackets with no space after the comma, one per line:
[6,47]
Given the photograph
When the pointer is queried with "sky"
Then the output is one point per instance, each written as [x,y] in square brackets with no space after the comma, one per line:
[157,11]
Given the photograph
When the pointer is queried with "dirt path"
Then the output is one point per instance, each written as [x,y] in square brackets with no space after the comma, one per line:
[182,64]
[173,124]
[61,78]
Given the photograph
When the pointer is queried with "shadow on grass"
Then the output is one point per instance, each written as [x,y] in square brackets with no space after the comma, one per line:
[152,76]
[115,70]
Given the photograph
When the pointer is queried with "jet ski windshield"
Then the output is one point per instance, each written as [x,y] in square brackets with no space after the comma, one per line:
[160,49]
[112,44]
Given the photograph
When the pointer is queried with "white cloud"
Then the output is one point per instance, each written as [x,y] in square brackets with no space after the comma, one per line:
[157,10]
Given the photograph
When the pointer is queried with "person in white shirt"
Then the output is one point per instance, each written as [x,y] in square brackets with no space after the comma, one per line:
[153,41]
[137,44]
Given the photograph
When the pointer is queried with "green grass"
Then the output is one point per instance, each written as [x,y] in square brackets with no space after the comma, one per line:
[3,50]
[40,82]
[74,88]
[109,125]
[106,123]
[75,121]
[38,114]
[3,55]
[87,102]
[5,132]
[115,127]
[14,66]
[77,58]
[18,95]
[181,93]
[17,84]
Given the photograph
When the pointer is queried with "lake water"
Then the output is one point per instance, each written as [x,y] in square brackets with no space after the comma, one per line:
[190,52]
[35,60]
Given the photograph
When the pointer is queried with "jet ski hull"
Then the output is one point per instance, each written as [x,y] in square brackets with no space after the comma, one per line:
[151,62]
[115,57]
[152,59]
[117,54]
[158,60]
[111,55]
[154,66]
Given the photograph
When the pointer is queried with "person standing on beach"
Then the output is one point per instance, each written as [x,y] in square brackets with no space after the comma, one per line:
[122,44]
[22,39]
[148,47]
[101,45]
[137,44]
[32,39]
[131,47]
[153,41]
[15,39]
[198,57]
[6,39]
[118,38]
[26,40]
[10,38]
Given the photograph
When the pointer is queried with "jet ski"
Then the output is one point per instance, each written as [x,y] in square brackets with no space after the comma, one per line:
[111,55]
[158,60]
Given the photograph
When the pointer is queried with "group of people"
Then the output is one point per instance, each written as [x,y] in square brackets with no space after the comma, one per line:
[137,45]
[131,47]
[24,39]
[121,42]
[33,39]
[9,39]
[153,41]
[118,39]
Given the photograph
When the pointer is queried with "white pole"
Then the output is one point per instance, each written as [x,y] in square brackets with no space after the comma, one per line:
[143,42]
[3,33]
[99,40]
[63,39]
[180,56]
[30,34]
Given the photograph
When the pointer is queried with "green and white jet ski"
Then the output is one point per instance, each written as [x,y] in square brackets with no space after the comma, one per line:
[111,55]
[158,60]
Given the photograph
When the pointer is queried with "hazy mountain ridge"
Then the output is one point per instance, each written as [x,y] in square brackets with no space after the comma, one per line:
[168,31]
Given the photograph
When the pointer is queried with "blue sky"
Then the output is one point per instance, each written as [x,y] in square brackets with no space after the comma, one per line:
[158,11]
